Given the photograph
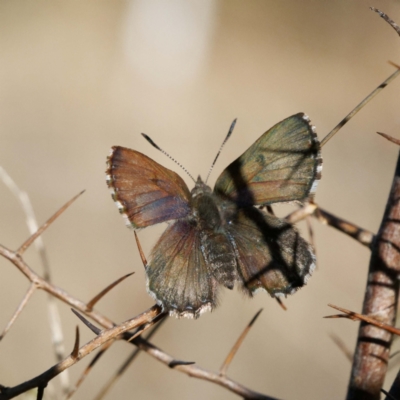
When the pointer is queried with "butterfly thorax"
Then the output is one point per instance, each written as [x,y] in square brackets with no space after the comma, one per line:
[205,207]
[209,218]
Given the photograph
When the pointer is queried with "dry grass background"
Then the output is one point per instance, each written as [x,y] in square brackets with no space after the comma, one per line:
[78,77]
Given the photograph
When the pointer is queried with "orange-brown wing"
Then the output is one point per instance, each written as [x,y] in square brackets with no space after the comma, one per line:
[284,164]
[177,276]
[145,192]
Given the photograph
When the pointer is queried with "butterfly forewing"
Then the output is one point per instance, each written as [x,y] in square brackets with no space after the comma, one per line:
[178,277]
[146,192]
[271,255]
[283,165]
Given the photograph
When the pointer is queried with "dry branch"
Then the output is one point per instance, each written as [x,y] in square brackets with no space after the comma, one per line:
[381,297]
[143,321]
[106,335]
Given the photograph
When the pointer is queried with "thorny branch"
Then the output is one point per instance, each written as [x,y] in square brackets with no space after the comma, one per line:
[363,236]
[111,332]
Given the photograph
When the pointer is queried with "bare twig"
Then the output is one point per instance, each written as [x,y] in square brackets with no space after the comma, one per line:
[200,373]
[21,306]
[359,107]
[301,213]
[53,313]
[235,348]
[29,214]
[96,298]
[390,138]
[387,19]
[103,337]
[381,297]
[361,235]
[52,289]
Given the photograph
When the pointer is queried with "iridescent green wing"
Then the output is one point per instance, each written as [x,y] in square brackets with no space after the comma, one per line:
[284,164]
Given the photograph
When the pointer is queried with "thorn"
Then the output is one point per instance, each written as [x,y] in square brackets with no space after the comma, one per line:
[75,351]
[235,348]
[32,238]
[142,256]
[370,320]
[393,64]
[280,302]
[390,138]
[92,327]
[95,299]
[175,363]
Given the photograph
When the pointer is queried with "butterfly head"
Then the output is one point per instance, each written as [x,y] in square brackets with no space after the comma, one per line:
[200,188]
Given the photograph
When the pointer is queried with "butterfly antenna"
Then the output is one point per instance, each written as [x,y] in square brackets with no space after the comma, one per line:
[222,146]
[165,153]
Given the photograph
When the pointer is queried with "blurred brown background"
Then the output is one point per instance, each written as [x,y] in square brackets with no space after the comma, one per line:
[78,77]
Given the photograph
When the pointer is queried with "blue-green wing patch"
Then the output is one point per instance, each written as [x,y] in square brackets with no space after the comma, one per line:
[283,165]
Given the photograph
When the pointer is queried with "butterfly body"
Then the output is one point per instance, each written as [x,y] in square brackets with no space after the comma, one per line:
[219,237]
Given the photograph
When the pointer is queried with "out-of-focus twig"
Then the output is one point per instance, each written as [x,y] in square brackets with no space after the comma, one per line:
[342,346]
[387,19]
[33,227]
[20,307]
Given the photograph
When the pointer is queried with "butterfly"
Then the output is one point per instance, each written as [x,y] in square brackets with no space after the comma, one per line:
[221,237]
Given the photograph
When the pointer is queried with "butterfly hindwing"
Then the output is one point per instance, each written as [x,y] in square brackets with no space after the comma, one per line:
[146,192]
[178,277]
[271,255]
[283,165]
